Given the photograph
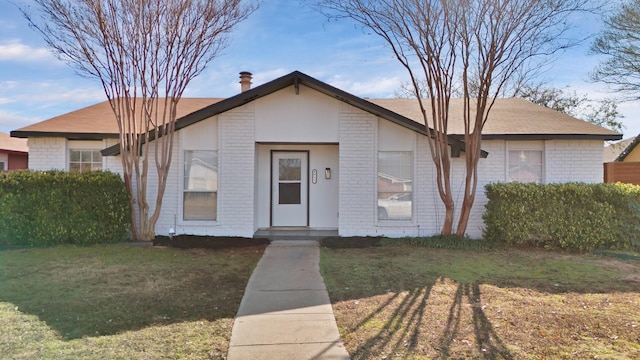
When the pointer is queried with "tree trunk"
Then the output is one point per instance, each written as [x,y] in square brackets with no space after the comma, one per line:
[471,180]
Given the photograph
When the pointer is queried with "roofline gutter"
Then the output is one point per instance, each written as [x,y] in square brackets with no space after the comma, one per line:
[602,137]
[13,152]
[67,135]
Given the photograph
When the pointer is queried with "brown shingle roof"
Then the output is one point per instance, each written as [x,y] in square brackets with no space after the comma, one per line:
[12,144]
[509,116]
[97,119]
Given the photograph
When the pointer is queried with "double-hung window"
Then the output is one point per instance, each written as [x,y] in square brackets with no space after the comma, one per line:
[84,160]
[200,194]
[525,166]
[395,185]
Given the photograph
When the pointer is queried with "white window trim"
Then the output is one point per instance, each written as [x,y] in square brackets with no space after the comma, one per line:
[529,145]
[396,223]
[83,145]
[180,218]
[4,166]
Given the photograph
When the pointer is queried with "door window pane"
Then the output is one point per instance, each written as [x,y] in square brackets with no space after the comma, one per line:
[290,169]
[289,193]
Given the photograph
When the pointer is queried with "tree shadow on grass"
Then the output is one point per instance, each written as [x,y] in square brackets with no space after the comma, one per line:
[415,301]
[101,291]
[404,320]
[394,332]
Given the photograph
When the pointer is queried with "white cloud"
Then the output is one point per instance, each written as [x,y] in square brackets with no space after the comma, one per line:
[379,86]
[55,93]
[5,85]
[264,76]
[15,50]
[25,92]
[10,120]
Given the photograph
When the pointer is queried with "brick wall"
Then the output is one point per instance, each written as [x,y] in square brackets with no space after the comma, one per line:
[573,160]
[236,164]
[47,153]
[357,162]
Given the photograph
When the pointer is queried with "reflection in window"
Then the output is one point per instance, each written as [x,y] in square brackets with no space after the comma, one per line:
[395,185]
[290,169]
[289,193]
[200,197]
[525,166]
[290,179]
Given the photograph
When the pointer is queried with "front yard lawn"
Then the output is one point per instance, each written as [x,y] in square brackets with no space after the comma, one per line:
[118,301]
[410,302]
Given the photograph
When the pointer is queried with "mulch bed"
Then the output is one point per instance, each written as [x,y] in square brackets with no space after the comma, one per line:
[208,242]
[223,242]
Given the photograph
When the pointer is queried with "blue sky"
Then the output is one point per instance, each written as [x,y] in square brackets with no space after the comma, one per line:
[282,36]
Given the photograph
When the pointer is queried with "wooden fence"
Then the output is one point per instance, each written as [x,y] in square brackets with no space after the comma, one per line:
[626,172]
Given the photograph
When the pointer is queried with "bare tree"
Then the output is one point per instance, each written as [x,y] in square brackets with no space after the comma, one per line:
[477,46]
[144,53]
[619,42]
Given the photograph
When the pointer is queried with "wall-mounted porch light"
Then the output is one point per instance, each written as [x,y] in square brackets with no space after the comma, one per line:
[327,173]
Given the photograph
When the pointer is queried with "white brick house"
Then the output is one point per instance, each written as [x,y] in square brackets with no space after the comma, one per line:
[299,153]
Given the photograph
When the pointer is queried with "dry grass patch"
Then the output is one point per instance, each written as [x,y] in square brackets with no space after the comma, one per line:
[123,302]
[417,303]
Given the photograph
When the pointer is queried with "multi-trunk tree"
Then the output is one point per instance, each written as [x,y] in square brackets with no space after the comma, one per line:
[472,47]
[144,53]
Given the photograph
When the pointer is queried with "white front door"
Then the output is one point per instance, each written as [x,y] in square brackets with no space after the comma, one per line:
[289,188]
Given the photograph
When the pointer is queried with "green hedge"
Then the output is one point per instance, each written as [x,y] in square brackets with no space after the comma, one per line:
[573,216]
[56,207]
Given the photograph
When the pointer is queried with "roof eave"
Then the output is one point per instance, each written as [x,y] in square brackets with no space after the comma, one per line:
[603,137]
[67,135]
[14,152]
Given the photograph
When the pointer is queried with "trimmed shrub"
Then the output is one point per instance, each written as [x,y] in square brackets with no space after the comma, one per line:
[56,207]
[572,216]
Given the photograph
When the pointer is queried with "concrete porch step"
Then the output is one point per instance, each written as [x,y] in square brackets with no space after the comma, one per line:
[274,234]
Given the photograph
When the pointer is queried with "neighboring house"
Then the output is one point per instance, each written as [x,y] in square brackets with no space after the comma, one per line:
[630,151]
[622,161]
[298,153]
[14,153]
[614,150]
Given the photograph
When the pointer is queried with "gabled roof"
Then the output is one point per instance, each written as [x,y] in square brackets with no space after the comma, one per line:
[296,78]
[13,145]
[513,118]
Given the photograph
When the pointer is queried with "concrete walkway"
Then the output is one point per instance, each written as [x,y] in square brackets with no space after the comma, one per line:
[285,312]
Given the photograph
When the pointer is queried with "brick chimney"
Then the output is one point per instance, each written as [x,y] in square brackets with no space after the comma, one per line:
[245,81]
